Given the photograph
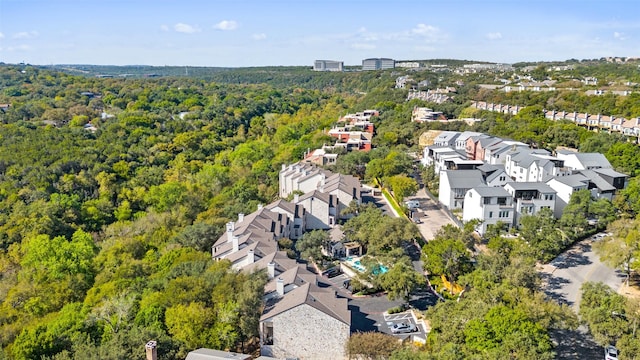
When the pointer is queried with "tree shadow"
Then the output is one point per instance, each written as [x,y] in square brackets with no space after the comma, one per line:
[572,260]
[575,344]
[361,321]
[552,284]
[422,299]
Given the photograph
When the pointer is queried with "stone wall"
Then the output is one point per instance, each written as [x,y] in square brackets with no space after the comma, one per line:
[307,333]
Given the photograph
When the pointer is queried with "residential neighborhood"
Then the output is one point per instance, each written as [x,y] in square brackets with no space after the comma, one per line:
[497,181]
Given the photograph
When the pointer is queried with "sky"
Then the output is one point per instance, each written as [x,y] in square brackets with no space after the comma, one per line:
[241,33]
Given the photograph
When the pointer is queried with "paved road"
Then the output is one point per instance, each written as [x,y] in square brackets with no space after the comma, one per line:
[565,275]
[431,215]
[563,278]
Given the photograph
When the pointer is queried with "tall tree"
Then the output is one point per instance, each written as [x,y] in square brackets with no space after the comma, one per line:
[622,248]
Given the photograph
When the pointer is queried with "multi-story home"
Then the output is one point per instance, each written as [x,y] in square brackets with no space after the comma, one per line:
[494,175]
[477,144]
[423,114]
[321,210]
[527,165]
[461,140]
[564,187]
[454,184]
[614,178]
[583,161]
[529,198]
[490,205]
[353,140]
[496,154]
[300,177]
[446,138]
[303,318]
[295,213]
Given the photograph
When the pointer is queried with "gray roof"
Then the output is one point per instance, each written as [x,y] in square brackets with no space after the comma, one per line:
[464,179]
[489,168]
[495,174]
[491,191]
[597,180]
[540,187]
[322,299]
[609,172]
[211,354]
[575,180]
[593,160]
[446,136]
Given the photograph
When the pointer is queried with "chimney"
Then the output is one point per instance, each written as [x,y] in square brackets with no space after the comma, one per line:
[152,353]
[236,243]
[230,228]
[296,198]
[284,167]
[251,257]
[280,286]
[240,217]
[271,270]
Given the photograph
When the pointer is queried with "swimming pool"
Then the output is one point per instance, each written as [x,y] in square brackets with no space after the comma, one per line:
[379,270]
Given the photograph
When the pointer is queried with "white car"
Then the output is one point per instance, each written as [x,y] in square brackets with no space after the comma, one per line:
[610,353]
[403,327]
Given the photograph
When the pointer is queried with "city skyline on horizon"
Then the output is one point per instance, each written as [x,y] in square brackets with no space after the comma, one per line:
[252,33]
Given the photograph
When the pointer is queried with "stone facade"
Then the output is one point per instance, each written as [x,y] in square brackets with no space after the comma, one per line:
[307,333]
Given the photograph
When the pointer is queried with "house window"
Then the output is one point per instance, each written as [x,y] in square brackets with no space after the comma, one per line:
[503,214]
[548,196]
[486,200]
[502,201]
[267,335]
[503,178]
[490,214]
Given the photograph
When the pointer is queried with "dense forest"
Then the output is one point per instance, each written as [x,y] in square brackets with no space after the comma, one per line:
[112,191]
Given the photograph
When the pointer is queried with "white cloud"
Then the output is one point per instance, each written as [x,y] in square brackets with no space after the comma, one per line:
[19,48]
[225,25]
[25,35]
[619,35]
[164,27]
[425,30]
[363,46]
[185,28]
[260,36]
[1,35]
[494,36]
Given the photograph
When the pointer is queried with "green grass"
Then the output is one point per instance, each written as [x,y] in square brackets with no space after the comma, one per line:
[393,202]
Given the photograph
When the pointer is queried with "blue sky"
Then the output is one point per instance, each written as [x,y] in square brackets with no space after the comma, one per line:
[241,33]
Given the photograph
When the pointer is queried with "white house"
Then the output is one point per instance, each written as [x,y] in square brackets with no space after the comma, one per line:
[530,197]
[491,205]
[583,161]
[454,184]
[564,187]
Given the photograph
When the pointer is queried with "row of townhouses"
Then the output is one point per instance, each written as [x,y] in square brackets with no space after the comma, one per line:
[303,316]
[353,132]
[593,122]
[497,180]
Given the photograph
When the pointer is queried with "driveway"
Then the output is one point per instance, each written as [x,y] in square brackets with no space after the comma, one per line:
[563,278]
[431,215]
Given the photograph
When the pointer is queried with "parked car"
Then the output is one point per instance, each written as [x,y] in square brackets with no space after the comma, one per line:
[332,272]
[402,327]
[412,204]
[347,285]
[610,353]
